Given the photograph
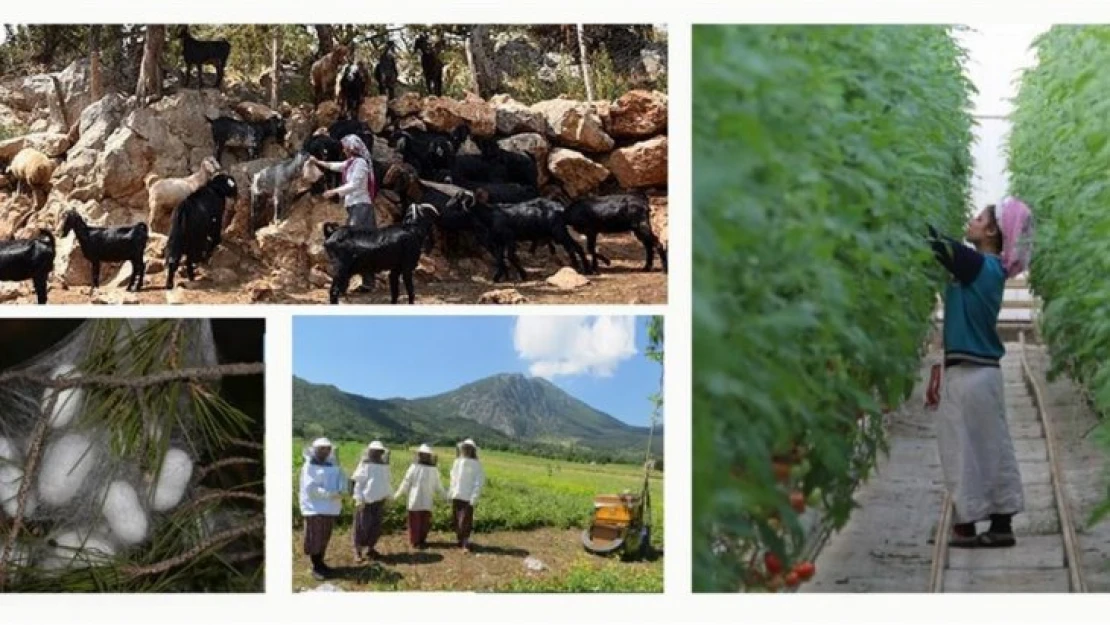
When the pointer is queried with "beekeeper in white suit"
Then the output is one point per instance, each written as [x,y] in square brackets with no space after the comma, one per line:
[467,478]
[422,483]
[373,487]
[321,497]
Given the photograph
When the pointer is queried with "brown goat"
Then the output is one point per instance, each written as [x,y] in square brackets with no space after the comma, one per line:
[324,73]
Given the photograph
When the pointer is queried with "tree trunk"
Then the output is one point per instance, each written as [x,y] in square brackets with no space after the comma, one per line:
[275,67]
[96,87]
[485,78]
[325,36]
[585,65]
[149,88]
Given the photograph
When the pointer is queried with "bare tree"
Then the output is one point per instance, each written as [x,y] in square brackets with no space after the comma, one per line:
[325,36]
[96,87]
[485,80]
[585,65]
[275,67]
[150,72]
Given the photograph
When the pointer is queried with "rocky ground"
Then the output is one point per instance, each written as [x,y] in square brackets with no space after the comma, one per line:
[108,150]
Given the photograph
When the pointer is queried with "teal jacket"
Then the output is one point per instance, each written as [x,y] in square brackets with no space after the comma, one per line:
[972,302]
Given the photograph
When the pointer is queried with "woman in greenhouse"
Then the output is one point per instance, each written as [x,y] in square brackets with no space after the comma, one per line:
[422,483]
[321,498]
[976,451]
[467,478]
[372,488]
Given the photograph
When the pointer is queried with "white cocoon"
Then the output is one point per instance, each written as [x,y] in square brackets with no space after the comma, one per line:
[11,475]
[69,400]
[124,513]
[65,465]
[75,550]
[177,468]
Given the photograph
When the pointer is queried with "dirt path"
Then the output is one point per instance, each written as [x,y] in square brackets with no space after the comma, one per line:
[621,283]
[497,564]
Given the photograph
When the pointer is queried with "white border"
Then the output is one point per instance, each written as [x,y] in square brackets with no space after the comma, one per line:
[677,605]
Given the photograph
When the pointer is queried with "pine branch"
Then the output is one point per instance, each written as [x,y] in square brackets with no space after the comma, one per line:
[214,541]
[38,437]
[226,462]
[196,373]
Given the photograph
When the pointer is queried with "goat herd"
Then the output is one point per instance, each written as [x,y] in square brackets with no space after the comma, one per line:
[492,198]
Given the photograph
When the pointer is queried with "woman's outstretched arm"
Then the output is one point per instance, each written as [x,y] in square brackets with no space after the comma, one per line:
[960,260]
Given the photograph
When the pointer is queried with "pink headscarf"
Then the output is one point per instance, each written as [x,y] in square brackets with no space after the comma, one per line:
[1015,221]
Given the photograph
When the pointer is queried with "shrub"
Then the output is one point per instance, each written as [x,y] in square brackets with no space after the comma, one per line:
[820,153]
[1059,154]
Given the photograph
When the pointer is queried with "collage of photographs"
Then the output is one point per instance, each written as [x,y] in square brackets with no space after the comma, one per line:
[423,271]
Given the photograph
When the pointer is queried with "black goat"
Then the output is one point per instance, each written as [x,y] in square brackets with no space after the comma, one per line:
[352,88]
[385,72]
[329,150]
[228,131]
[197,226]
[540,220]
[396,249]
[116,244]
[611,214]
[511,166]
[28,259]
[345,127]
[431,64]
[430,152]
[198,53]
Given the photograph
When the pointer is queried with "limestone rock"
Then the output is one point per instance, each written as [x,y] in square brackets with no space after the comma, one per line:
[578,174]
[639,113]
[643,164]
[567,279]
[502,296]
[574,124]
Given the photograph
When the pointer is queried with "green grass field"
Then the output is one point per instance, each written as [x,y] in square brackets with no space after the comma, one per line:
[521,492]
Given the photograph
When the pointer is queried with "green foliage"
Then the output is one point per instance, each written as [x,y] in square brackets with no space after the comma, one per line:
[585,578]
[1059,156]
[820,153]
[521,492]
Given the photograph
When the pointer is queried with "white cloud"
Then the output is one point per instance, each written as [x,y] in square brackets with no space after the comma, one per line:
[567,345]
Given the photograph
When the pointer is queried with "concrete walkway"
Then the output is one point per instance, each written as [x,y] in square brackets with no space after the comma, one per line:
[886,546]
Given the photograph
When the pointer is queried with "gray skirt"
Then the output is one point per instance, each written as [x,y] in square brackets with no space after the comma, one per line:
[976,452]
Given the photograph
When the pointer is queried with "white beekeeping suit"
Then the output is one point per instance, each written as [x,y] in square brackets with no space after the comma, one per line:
[422,483]
[467,477]
[373,482]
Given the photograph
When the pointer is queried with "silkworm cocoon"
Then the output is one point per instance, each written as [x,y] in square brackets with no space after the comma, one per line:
[124,513]
[11,476]
[65,465]
[177,468]
[78,549]
[68,402]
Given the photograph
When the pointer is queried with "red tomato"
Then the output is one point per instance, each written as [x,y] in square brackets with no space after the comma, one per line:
[805,570]
[791,579]
[798,501]
[773,563]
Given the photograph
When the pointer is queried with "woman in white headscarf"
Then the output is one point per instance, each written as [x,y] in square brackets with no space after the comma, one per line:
[321,499]
[422,483]
[358,188]
[372,489]
[467,478]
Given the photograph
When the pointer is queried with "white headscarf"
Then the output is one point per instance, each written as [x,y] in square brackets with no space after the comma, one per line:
[355,144]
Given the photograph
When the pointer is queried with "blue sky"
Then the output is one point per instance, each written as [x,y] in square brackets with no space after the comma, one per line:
[599,360]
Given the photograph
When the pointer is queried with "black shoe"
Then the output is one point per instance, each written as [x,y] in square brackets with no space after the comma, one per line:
[318,576]
[997,539]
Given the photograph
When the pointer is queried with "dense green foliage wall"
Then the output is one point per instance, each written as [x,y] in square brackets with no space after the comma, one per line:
[820,153]
[1059,164]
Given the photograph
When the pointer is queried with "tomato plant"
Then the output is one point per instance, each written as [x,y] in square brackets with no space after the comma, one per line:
[820,154]
[1059,160]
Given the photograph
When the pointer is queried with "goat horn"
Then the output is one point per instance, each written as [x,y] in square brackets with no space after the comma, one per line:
[431,208]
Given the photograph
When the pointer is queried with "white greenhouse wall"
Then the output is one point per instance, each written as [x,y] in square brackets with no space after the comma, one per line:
[996,55]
